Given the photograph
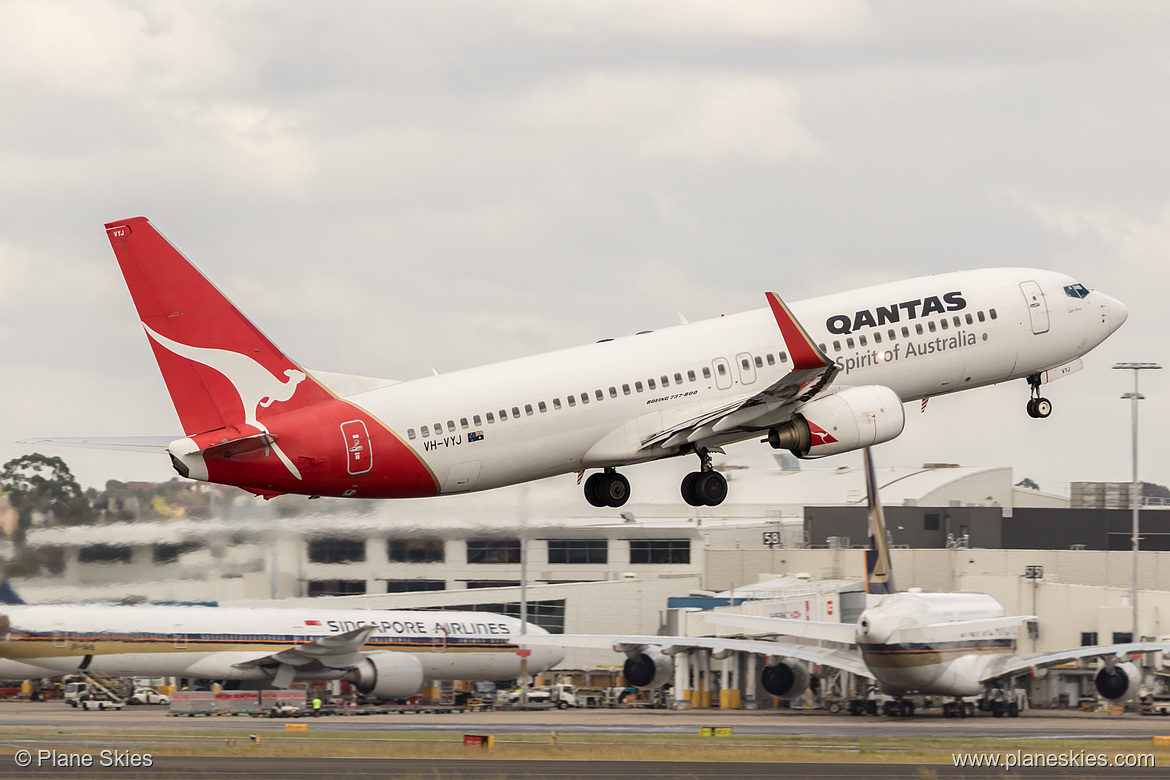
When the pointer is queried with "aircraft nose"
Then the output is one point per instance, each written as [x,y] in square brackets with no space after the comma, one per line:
[1118,312]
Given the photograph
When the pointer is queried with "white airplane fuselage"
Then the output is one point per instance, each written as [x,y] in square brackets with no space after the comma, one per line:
[906,643]
[209,642]
[549,436]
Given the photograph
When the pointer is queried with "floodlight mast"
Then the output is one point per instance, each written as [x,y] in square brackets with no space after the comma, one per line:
[1135,497]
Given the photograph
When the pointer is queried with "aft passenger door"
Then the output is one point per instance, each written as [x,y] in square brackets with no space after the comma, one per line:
[722,373]
[747,369]
[1037,306]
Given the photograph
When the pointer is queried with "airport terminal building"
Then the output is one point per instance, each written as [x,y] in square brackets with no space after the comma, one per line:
[786,543]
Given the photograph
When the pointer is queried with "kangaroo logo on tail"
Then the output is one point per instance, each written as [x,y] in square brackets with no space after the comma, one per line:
[256,386]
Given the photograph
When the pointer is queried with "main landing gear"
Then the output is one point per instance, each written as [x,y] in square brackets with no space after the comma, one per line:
[958,709]
[607,488]
[1038,407]
[705,487]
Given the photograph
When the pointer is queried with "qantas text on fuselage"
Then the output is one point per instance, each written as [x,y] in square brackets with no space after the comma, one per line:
[252,417]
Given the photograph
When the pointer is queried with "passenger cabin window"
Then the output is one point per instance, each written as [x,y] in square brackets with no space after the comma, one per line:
[970,319]
[861,340]
[638,386]
[463,423]
[746,364]
[691,376]
[426,432]
[572,400]
[877,337]
[490,418]
[612,392]
[600,395]
[584,398]
[783,357]
[625,389]
[979,314]
[542,407]
[944,323]
[438,429]
[849,342]
[665,381]
[476,420]
[959,321]
[906,331]
[918,328]
[650,384]
[991,312]
[503,415]
[556,403]
[515,412]
[771,359]
[706,373]
[836,346]
[722,369]
[931,326]
[410,433]
[451,426]
[759,362]
[528,409]
[678,379]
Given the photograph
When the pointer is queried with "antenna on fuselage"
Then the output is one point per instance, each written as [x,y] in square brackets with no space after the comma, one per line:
[879,578]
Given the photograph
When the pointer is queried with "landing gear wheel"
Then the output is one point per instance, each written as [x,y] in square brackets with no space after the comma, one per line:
[856,707]
[688,489]
[711,488]
[593,490]
[1013,710]
[998,709]
[966,710]
[871,707]
[1038,407]
[907,708]
[1043,408]
[890,709]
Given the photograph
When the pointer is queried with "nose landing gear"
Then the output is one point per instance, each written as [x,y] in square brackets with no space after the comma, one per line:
[1038,406]
[705,487]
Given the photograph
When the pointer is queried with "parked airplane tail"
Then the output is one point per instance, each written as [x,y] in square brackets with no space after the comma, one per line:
[879,578]
[7,594]
[219,368]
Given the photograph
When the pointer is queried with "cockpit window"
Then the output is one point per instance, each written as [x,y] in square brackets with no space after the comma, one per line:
[1076,291]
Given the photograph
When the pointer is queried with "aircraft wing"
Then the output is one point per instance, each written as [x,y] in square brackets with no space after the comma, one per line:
[845,633]
[1015,665]
[846,660]
[339,651]
[812,371]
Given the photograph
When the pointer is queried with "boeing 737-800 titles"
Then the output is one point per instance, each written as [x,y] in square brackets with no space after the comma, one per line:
[253,418]
[384,653]
[953,645]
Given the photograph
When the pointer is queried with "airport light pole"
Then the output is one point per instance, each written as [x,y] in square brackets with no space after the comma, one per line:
[1135,496]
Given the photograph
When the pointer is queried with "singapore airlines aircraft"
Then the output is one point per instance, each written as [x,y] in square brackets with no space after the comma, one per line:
[253,418]
[939,644]
[388,654]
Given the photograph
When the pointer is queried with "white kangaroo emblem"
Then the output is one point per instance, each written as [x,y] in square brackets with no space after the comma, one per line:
[254,383]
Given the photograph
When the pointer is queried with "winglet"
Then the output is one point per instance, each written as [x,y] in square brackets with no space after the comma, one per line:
[879,577]
[805,353]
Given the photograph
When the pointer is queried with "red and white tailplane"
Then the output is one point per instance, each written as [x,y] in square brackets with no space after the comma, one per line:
[252,416]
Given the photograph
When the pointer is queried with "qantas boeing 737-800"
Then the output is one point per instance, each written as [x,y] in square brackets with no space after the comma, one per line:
[821,377]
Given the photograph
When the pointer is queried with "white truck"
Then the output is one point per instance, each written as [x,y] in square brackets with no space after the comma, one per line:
[561,696]
[83,695]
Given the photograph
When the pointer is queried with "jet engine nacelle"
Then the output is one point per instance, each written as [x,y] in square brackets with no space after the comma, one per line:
[1119,683]
[387,675]
[785,679]
[648,668]
[853,418]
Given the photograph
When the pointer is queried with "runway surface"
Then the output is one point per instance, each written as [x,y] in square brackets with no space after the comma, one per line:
[1034,724]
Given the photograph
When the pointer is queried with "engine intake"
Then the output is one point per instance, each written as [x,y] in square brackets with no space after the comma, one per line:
[387,675]
[1119,683]
[648,668]
[853,418]
[785,679]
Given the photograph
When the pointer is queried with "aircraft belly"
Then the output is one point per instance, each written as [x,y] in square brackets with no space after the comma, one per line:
[470,666]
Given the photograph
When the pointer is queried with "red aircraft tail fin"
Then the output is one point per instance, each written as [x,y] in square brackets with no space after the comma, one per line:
[221,371]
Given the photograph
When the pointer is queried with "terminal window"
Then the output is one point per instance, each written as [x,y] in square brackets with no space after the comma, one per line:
[660,551]
[549,615]
[493,551]
[105,553]
[335,550]
[1088,638]
[578,551]
[170,553]
[930,522]
[336,587]
[415,551]
[414,586]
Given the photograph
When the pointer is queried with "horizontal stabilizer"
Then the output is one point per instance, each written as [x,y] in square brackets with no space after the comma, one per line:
[115,443]
[803,629]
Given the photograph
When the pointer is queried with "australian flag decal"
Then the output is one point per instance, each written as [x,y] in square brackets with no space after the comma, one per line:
[475,436]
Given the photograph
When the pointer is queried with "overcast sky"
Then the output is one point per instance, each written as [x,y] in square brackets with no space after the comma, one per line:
[390,187]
